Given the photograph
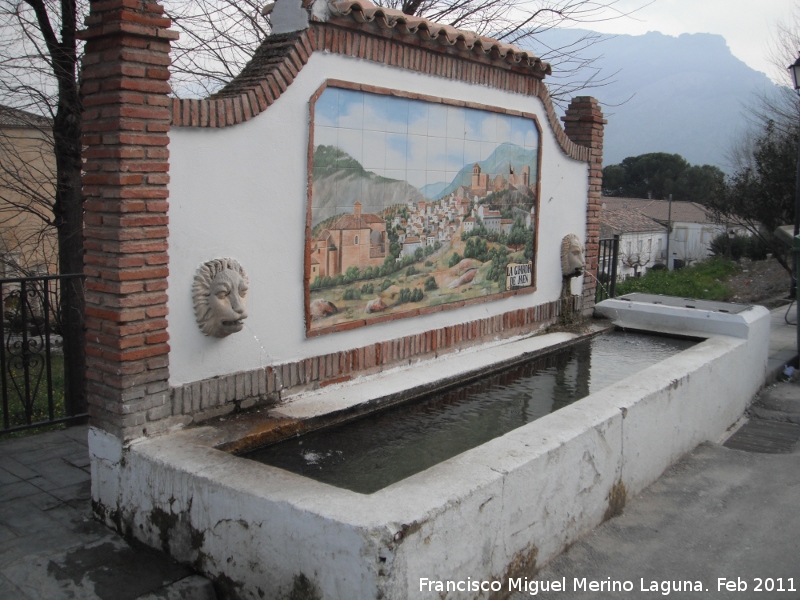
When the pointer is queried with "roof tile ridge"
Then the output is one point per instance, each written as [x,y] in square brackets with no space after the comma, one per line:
[239,105]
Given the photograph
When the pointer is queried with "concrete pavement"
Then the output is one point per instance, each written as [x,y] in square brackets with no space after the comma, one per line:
[50,546]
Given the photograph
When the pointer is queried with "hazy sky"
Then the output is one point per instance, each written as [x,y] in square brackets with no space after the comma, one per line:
[747,25]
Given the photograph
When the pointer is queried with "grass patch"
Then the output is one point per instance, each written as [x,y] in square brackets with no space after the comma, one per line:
[39,408]
[704,281]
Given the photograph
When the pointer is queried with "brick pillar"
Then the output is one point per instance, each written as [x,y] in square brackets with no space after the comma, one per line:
[583,124]
[126,122]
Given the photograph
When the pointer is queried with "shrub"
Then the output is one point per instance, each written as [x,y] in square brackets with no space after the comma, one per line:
[351,294]
[386,283]
[411,271]
[430,284]
[367,288]
[734,248]
[756,248]
[454,260]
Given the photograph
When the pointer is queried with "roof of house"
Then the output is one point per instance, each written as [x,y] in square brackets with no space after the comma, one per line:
[682,212]
[354,222]
[14,117]
[626,221]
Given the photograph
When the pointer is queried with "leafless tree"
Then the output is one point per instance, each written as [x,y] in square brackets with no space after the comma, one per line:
[39,55]
[760,194]
[219,36]
[635,257]
[39,60]
[779,106]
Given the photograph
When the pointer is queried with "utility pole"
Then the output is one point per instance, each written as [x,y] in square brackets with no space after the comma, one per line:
[669,228]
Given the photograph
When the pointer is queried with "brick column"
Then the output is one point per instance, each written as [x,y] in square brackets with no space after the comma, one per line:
[126,122]
[583,124]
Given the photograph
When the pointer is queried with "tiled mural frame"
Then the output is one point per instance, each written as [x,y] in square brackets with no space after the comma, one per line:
[381,318]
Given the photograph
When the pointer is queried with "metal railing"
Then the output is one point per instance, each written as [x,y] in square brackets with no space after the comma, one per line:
[608,257]
[33,369]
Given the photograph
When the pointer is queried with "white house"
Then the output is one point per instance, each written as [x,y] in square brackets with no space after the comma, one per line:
[692,226]
[642,241]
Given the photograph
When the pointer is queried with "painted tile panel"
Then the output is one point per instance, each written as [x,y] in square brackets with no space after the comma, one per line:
[415,204]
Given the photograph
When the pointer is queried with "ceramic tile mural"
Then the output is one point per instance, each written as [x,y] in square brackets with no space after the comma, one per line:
[415,204]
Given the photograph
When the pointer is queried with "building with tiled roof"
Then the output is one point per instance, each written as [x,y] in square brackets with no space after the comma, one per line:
[692,226]
[682,212]
[642,240]
[14,117]
[353,240]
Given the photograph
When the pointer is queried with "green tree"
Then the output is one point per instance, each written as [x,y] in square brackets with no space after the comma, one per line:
[761,196]
[657,175]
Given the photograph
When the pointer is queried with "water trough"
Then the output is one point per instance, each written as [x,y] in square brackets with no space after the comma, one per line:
[489,514]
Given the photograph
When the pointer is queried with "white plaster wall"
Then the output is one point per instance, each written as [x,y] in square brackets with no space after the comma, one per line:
[694,248]
[646,258]
[241,192]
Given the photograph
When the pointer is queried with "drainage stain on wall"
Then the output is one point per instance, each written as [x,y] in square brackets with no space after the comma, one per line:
[617,497]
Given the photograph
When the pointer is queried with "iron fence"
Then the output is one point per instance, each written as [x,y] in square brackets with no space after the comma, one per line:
[34,372]
[607,269]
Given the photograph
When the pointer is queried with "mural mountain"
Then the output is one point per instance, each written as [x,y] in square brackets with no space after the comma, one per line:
[505,156]
[340,181]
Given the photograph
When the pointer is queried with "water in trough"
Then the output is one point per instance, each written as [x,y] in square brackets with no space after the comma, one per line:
[384,447]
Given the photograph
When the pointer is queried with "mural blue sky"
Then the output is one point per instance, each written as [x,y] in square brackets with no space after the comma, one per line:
[420,142]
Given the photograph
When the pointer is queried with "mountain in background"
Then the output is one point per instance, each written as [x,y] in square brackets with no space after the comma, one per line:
[682,95]
[340,181]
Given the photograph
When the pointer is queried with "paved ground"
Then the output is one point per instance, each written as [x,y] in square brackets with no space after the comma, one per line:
[52,549]
[724,512]
[720,512]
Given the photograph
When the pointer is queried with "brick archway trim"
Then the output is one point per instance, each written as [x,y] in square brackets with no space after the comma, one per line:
[280,58]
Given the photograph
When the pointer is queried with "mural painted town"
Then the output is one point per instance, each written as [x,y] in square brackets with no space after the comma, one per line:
[390,245]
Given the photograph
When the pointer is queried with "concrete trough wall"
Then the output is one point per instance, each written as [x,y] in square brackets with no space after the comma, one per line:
[490,513]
